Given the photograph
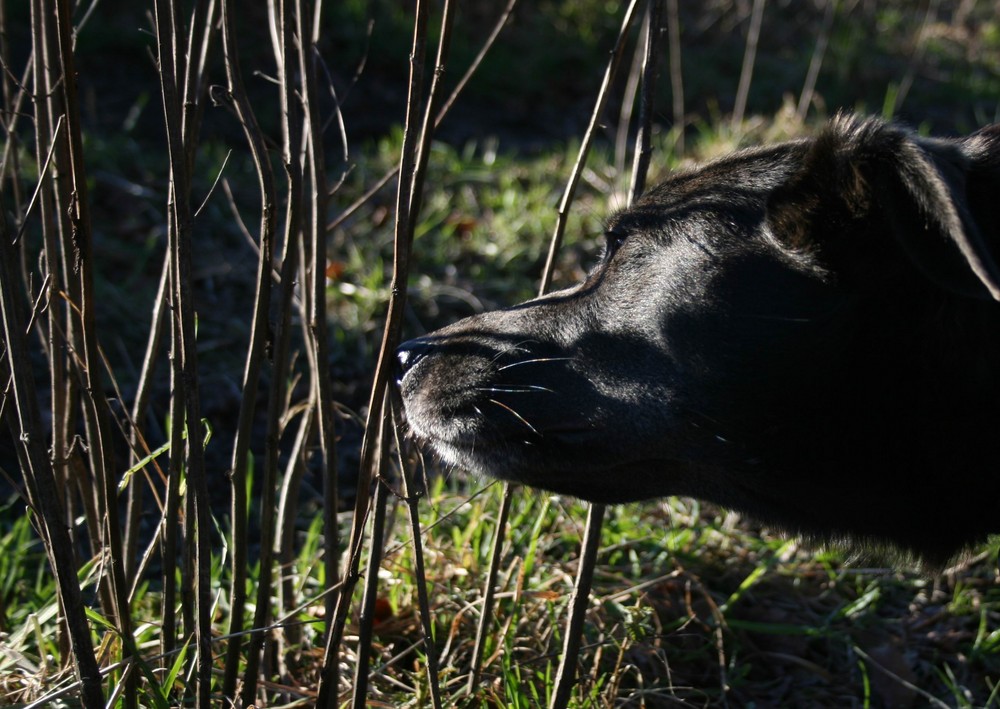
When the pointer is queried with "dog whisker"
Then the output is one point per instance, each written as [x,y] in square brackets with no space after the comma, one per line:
[533,361]
[513,348]
[515,415]
[525,389]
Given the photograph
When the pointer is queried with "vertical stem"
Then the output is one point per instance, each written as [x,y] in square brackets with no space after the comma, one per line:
[489,591]
[140,406]
[390,340]
[749,57]
[276,395]
[185,403]
[317,315]
[809,87]
[285,539]
[413,507]
[25,424]
[627,108]
[96,414]
[556,242]
[566,674]
[54,344]
[588,137]
[259,340]
[375,544]
[676,75]
[426,129]
[643,150]
[11,107]
[566,677]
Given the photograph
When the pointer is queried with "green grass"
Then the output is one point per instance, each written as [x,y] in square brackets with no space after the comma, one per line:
[688,600]
[689,603]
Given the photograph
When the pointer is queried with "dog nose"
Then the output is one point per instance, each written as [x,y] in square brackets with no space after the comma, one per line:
[409,353]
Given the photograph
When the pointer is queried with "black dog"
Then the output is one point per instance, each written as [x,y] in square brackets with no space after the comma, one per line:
[807,332]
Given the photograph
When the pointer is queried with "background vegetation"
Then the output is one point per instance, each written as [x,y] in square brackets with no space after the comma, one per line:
[197,273]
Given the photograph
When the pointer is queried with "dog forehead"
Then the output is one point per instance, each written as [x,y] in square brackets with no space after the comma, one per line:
[737,182]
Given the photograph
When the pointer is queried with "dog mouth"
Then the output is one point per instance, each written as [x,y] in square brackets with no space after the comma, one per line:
[488,428]
[476,418]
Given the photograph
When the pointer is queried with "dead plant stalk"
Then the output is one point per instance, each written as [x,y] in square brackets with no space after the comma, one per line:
[401,262]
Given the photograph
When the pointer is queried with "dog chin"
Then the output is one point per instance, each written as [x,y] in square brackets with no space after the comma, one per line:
[509,464]
[481,459]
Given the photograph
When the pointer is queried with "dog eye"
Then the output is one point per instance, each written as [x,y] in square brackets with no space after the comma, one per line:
[613,240]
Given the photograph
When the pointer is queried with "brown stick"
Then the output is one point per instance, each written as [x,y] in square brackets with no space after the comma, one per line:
[366,621]
[504,512]
[24,420]
[489,591]
[96,415]
[676,75]
[185,403]
[256,349]
[316,317]
[413,508]
[749,57]
[290,124]
[426,129]
[390,339]
[809,87]
[588,138]
[643,151]
[566,675]
[445,107]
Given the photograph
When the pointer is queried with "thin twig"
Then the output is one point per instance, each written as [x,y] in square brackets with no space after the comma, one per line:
[632,81]
[676,74]
[445,107]
[286,529]
[749,57]
[96,416]
[489,591]
[24,420]
[809,87]
[643,151]
[366,621]
[588,137]
[317,336]
[215,184]
[42,179]
[419,577]
[566,675]
[290,128]
[427,130]
[257,345]
[185,406]
[504,512]
[390,340]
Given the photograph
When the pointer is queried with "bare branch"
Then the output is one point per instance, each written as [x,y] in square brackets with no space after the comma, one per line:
[749,57]
[390,339]
[588,138]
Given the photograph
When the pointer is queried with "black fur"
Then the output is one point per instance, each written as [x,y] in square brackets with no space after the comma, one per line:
[806,332]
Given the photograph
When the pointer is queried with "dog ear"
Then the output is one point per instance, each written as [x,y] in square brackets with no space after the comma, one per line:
[935,196]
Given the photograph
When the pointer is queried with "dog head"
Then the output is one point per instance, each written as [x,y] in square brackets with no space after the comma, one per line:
[784,331]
